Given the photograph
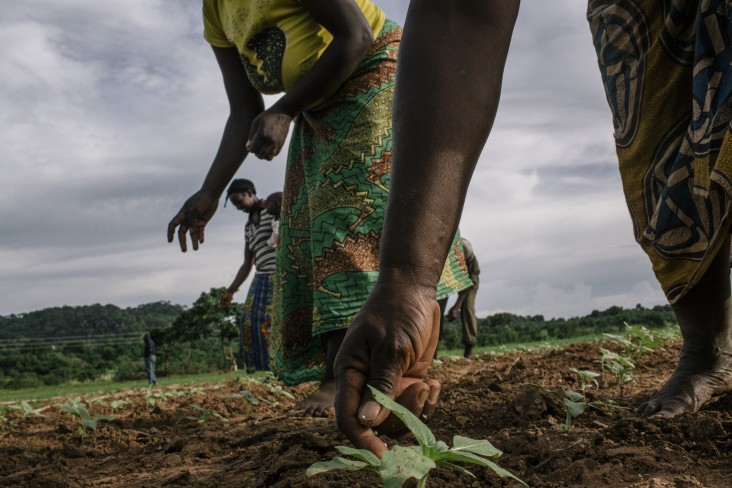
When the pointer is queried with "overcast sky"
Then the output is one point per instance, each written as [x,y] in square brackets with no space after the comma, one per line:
[112,111]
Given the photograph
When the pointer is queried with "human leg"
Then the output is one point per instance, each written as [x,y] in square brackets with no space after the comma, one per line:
[675,166]
[347,186]
[150,370]
[256,321]
[705,364]
[469,323]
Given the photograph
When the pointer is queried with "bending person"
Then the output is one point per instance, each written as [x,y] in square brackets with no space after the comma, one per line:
[256,319]
[335,60]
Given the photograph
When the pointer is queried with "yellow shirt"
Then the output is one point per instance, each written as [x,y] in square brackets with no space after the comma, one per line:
[278,40]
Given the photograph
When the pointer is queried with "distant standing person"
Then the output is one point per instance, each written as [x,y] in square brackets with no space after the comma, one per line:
[465,305]
[256,319]
[149,355]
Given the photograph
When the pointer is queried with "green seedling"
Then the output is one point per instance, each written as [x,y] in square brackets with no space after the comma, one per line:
[575,403]
[205,415]
[27,409]
[637,341]
[402,463]
[98,401]
[76,408]
[150,398]
[163,396]
[619,366]
[587,378]
[117,404]
[278,390]
[249,396]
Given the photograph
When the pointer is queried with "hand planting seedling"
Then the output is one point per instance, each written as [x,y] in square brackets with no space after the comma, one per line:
[76,408]
[402,463]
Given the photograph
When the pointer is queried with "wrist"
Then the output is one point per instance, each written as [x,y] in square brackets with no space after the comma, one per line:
[407,279]
[283,107]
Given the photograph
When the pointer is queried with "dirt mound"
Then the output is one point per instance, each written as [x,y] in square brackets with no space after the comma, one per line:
[238,434]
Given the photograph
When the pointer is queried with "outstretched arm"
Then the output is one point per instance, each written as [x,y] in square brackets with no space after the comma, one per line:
[240,277]
[448,85]
[245,103]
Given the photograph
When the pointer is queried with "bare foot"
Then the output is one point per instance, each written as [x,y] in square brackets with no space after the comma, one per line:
[319,403]
[697,378]
[705,367]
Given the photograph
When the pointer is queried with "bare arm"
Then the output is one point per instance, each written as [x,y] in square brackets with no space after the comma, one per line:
[448,85]
[240,277]
[245,103]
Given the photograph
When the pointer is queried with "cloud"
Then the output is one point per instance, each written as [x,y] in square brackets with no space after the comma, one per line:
[113,111]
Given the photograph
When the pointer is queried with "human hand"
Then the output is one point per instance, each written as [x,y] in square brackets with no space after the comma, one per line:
[268,133]
[192,218]
[225,301]
[390,346]
[453,314]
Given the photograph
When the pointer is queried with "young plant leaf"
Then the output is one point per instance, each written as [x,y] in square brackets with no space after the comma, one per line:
[421,432]
[467,457]
[401,463]
[361,454]
[481,448]
[574,396]
[574,409]
[250,397]
[336,463]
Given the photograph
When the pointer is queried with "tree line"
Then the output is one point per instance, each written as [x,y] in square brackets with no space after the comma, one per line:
[83,343]
[507,328]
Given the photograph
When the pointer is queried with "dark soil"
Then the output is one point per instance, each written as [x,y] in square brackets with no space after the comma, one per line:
[182,441]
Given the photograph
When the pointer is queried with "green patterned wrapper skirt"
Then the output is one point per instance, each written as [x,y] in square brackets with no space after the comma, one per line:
[334,200]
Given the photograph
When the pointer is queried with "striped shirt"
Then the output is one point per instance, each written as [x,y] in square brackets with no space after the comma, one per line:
[256,238]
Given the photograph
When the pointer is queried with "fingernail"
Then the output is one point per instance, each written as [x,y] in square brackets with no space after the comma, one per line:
[434,395]
[423,396]
[369,411]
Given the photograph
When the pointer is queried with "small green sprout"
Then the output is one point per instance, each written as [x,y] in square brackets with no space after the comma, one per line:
[576,403]
[117,404]
[278,390]
[250,397]
[637,341]
[619,366]
[76,408]
[27,409]
[402,463]
[205,415]
[587,378]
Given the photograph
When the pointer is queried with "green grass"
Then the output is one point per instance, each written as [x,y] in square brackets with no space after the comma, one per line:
[103,387]
[669,332]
